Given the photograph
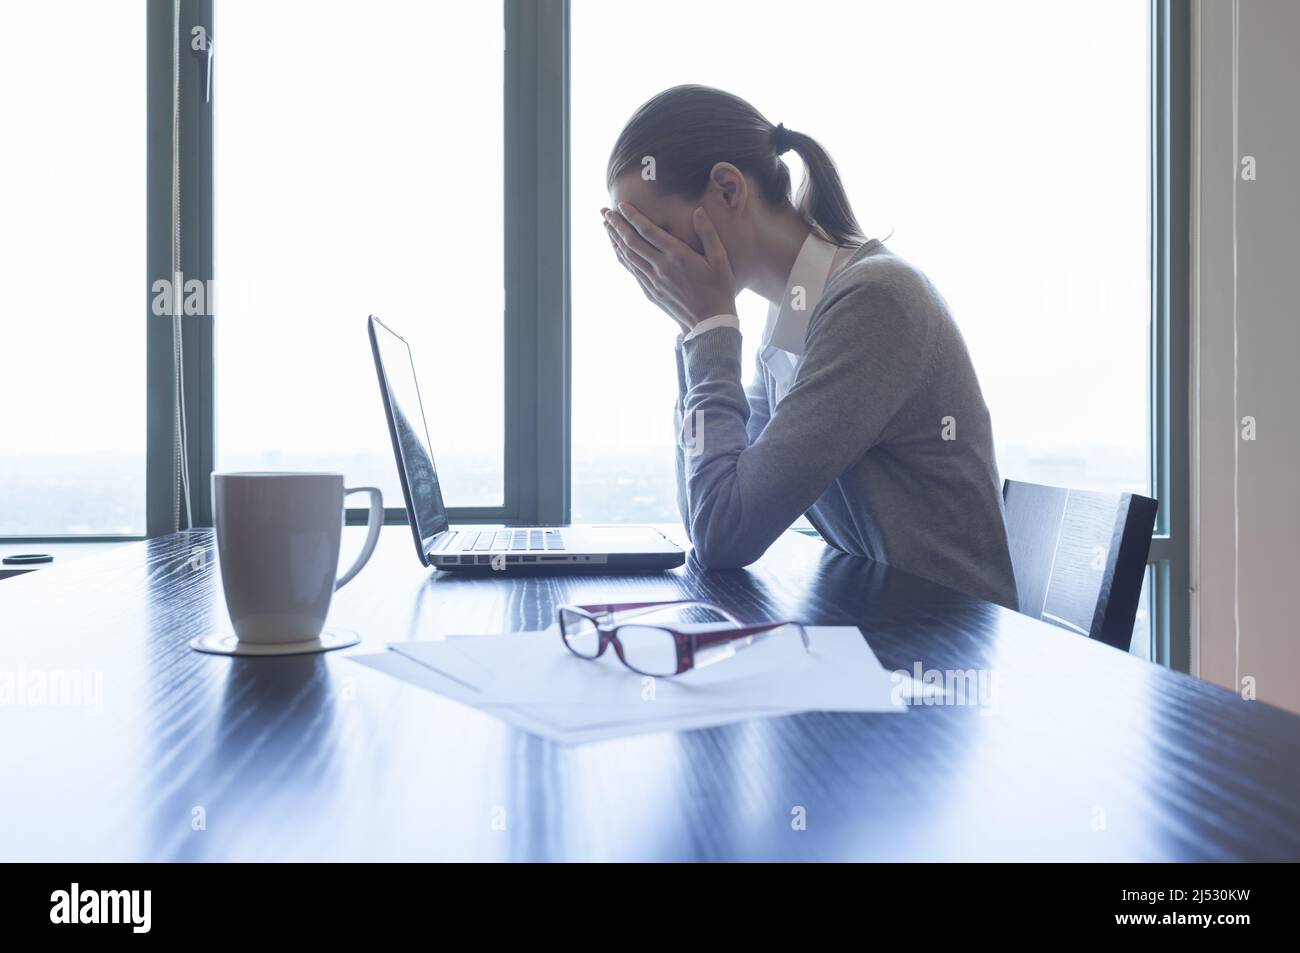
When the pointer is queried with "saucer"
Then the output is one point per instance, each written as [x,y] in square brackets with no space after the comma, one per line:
[227,643]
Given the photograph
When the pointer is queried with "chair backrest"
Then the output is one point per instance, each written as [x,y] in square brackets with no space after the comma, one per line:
[1079,557]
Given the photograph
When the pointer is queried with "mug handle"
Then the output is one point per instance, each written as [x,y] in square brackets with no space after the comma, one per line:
[374,523]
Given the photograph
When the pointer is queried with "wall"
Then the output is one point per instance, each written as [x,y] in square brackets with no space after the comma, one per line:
[1265,536]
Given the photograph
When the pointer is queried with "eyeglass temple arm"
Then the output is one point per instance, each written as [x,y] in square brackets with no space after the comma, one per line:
[704,640]
[652,606]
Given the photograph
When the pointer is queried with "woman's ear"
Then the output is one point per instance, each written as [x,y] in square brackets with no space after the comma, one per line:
[729,184]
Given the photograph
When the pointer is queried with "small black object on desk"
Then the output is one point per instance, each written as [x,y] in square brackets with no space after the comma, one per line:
[25,559]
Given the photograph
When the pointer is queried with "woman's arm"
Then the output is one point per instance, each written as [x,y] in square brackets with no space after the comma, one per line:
[867,351]
[760,406]
[683,503]
[759,413]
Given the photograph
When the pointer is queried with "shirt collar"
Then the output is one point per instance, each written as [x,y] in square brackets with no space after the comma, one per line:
[787,325]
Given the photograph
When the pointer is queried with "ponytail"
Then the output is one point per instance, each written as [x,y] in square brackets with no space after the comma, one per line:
[822,201]
[689,129]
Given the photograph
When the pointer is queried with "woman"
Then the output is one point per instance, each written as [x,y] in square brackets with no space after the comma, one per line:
[864,411]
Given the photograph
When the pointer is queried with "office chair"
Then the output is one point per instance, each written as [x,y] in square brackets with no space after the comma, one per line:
[1079,557]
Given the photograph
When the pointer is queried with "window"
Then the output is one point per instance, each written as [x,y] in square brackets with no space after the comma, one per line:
[1030,158]
[358,170]
[1001,146]
[72,171]
[1141,644]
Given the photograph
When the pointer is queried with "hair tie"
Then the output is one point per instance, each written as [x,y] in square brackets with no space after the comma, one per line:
[781,139]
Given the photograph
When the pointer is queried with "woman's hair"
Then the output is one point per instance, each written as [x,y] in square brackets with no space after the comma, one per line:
[689,129]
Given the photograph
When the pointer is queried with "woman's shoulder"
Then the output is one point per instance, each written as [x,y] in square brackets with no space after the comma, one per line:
[874,267]
[874,283]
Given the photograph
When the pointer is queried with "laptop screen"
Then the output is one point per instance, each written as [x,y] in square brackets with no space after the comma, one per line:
[410,433]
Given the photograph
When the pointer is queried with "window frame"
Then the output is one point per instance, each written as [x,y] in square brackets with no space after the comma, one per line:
[161,473]
[538,357]
[163,510]
[536,280]
[1170,396]
[535,230]
[1169,98]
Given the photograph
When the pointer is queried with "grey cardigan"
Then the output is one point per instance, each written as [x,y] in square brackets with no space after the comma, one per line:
[883,440]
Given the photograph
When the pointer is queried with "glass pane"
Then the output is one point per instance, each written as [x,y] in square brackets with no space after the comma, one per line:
[984,136]
[359,171]
[580,634]
[74,296]
[648,649]
[1141,644]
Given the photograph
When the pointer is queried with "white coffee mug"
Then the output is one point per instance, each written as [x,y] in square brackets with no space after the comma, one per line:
[278,550]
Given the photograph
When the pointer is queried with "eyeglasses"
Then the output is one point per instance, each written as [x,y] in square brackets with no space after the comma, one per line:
[659,650]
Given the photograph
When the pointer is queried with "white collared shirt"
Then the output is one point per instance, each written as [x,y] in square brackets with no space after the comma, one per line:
[782,346]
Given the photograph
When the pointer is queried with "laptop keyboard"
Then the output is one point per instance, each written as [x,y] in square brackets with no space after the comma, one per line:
[509,540]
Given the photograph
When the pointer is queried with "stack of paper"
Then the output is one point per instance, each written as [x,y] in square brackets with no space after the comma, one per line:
[532,681]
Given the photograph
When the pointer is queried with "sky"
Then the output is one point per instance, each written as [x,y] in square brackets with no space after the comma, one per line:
[1002,144]
[72,229]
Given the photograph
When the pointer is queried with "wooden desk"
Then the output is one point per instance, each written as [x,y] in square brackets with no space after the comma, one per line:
[62,553]
[318,757]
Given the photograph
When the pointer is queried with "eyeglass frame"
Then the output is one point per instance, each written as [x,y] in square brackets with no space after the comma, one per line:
[687,643]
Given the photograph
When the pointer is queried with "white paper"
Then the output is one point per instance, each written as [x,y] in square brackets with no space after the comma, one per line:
[558,723]
[532,681]
[840,673]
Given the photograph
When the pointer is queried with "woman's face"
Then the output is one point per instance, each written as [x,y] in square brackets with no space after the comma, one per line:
[672,213]
[726,201]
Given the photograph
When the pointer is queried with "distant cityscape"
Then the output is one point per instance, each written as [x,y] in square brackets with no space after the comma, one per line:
[84,493]
[103,492]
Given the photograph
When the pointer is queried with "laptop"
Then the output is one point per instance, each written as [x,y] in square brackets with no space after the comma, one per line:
[532,548]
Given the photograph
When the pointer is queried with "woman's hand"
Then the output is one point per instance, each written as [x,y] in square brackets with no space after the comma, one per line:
[688,286]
